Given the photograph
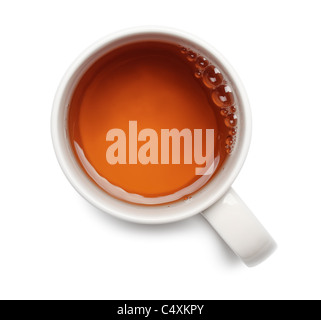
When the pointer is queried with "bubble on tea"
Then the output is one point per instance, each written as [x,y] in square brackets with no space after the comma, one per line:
[229,140]
[183,50]
[222,96]
[224,112]
[232,132]
[198,74]
[191,56]
[233,109]
[228,149]
[231,120]
[212,78]
[201,62]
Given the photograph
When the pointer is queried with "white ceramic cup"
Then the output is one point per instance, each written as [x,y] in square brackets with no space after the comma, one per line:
[217,202]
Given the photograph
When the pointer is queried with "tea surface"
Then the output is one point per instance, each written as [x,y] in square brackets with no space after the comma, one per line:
[159,86]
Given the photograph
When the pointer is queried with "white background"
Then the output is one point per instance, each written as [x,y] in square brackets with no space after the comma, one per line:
[55,245]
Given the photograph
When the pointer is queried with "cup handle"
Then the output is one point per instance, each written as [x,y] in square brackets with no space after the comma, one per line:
[240,229]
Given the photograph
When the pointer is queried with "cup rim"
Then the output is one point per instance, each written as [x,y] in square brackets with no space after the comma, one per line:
[133,212]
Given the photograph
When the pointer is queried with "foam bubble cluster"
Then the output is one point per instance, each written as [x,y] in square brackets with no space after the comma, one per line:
[220,92]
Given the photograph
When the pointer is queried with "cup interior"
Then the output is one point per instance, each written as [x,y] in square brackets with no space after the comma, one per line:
[162,213]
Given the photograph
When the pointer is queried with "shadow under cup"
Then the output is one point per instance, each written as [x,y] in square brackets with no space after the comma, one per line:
[190,200]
